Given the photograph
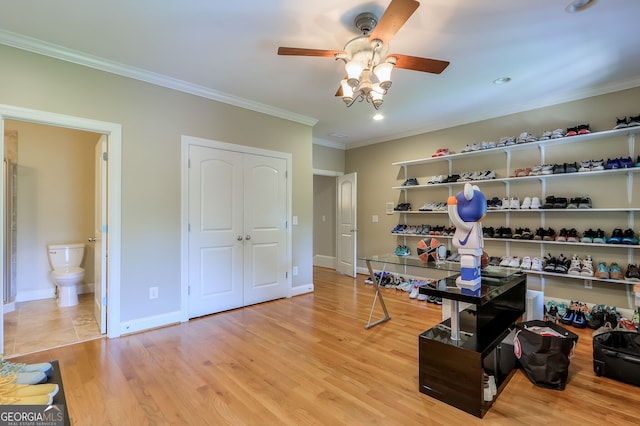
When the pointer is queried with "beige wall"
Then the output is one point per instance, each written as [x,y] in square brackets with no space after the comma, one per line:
[55,202]
[328,159]
[376,176]
[153,119]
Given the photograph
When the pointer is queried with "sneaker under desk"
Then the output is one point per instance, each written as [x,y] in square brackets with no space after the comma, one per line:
[455,355]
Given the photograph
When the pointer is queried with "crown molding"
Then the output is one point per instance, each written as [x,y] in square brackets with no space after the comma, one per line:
[40,47]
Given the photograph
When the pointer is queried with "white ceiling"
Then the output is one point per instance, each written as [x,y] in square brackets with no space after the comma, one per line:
[226,50]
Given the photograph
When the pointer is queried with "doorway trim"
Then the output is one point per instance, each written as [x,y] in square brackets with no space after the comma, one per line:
[114,149]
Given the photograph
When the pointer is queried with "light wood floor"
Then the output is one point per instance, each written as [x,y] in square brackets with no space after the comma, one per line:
[306,360]
[40,324]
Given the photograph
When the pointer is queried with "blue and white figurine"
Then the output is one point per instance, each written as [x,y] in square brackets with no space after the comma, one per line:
[466,211]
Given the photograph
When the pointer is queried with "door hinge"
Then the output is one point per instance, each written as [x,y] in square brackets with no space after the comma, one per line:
[105,156]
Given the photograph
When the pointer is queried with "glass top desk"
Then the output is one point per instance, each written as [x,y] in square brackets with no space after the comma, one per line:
[495,281]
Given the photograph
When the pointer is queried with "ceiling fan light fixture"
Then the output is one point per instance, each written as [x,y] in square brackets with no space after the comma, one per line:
[347,92]
[354,70]
[383,74]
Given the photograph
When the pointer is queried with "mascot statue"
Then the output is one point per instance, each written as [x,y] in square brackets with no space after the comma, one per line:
[466,211]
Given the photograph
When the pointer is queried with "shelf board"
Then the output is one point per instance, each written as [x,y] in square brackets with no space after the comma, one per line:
[579,277]
[525,178]
[551,142]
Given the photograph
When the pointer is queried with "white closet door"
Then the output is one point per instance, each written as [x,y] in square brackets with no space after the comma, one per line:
[216,237]
[265,221]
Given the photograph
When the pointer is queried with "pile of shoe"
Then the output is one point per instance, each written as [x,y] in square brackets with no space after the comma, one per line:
[383,278]
[576,314]
[619,163]
[24,384]
[526,137]
[553,202]
[632,121]
[618,236]
[558,265]
[591,165]
[410,182]
[437,179]
[581,267]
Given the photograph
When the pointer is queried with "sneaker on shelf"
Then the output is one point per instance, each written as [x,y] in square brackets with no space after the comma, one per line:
[572,236]
[632,273]
[612,164]
[571,131]
[583,129]
[585,166]
[526,203]
[535,203]
[506,261]
[626,162]
[562,235]
[576,266]
[539,234]
[585,203]
[526,234]
[573,203]
[599,237]
[634,120]
[603,271]
[621,123]
[562,265]
[549,235]
[597,165]
[505,204]
[587,267]
[526,263]
[629,237]
[616,237]
[587,236]
[615,273]
[549,263]
[515,262]
[536,264]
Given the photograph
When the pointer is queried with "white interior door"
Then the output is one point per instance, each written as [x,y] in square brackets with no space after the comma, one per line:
[347,224]
[100,259]
[265,221]
[216,237]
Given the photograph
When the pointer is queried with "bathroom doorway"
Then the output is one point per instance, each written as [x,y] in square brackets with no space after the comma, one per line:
[53,188]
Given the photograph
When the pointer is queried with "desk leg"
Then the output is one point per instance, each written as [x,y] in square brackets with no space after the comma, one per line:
[376,283]
[455,319]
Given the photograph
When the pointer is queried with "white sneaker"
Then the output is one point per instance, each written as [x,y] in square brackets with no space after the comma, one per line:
[526,263]
[514,203]
[536,264]
[575,266]
[515,262]
[526,203]
[535,203]
[505,204]
[414,292]
[506,261]
[587,267]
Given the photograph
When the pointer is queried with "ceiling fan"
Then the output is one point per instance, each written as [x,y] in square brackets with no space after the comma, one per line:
[367,61]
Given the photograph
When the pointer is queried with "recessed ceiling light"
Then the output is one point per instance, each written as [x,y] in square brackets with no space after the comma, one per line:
[378,117]
[579,5]
[502,80]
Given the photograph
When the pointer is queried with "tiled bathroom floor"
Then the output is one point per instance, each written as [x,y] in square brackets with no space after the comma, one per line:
[40,324]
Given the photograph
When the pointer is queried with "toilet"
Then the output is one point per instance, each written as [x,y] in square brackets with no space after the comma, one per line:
[66,273]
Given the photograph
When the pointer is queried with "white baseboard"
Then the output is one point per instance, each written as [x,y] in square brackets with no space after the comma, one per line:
[43,293]
[325,261]
[148,323]
[302,289]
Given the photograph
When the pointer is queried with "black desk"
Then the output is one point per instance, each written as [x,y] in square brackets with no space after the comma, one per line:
[455,354]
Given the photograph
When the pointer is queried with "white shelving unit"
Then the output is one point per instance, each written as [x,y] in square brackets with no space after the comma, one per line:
[541,217]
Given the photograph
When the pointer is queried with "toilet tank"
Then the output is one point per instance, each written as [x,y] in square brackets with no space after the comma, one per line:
[61,255]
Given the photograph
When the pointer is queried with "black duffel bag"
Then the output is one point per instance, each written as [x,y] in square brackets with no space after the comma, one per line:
[616,354]
[544,351]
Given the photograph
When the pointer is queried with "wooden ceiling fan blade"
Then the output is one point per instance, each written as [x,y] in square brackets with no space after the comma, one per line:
[415,63]
[398,12]
[339,91]
[298,51]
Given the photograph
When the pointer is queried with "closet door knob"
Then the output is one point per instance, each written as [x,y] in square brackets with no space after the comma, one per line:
[248,237]
[92,239]
[239,237]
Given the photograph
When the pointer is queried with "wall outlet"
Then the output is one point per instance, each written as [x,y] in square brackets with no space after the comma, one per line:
[374,218]
[153,292]
[295,270]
